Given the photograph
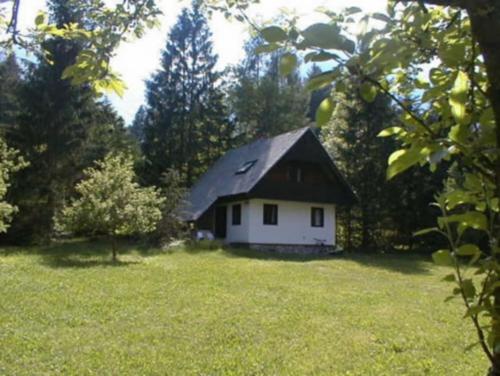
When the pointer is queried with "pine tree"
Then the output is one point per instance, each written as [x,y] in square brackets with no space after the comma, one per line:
[10,81]
[263,102]
[60,130]
[382,217]
[187,126]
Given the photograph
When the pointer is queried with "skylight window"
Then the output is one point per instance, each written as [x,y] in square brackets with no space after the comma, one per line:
[245,167]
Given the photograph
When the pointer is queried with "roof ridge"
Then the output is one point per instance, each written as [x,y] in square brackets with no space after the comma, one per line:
[305,128]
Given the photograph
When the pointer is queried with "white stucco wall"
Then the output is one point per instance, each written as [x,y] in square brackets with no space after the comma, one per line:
[238,233]
[294,224]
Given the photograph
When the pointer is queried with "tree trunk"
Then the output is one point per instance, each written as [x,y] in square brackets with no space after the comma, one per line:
[113,248]
[485,22]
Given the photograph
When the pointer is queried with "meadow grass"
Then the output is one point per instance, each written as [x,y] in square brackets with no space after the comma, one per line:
[67,309]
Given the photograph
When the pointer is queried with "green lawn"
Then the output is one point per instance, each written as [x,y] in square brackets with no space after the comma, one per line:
[67,310]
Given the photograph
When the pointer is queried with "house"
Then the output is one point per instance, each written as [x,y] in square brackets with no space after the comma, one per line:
[276,194]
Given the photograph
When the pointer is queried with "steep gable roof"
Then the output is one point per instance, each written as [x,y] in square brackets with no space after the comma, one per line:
[223,180]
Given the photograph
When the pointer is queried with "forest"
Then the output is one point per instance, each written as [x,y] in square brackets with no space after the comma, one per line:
[407,107]
[194,113]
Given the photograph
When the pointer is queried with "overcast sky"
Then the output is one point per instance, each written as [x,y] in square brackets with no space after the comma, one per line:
[137,60]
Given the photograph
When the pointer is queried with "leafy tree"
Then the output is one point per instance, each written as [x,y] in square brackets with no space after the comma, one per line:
[187,127]
[170,226]
[263,102]
[10,162]
[111,203]
[451,114]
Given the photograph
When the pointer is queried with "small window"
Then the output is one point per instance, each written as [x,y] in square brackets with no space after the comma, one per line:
[245,167]
[270,214]
[236,214]
[317,217]
[295,173]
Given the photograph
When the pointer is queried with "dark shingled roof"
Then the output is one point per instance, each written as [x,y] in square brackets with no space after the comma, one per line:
[221,179]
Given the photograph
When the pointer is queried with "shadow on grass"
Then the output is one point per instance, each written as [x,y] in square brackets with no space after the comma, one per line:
[405,263]
[85,253]
[397,262]
[75,262]
[82,253]
[275,256]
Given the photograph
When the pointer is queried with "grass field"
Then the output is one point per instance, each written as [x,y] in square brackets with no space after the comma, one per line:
[67,310]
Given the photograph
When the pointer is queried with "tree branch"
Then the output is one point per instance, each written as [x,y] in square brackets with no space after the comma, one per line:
[444,3]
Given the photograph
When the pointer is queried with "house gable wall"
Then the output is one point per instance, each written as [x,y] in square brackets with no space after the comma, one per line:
[318,182]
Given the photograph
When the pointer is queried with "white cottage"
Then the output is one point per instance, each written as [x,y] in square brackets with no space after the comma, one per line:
[276,194]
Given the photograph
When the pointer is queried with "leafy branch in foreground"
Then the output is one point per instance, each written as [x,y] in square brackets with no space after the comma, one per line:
[438,61]
[105,28]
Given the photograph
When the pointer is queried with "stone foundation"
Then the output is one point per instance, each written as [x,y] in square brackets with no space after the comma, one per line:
[296,249]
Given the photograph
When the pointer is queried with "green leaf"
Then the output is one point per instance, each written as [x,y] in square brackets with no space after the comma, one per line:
[40,19]
[458,98]
[381,17]
[320,56]
[265,48]
[468,250]
[368,92]
[449,278]
[321,80]
[352,10]
[288,62]
[472,219]
[324,111]
[468,288]
[458,133]
[443,257]
[390,131]
[456,198]
[327,36]
[402,160]
[273,34]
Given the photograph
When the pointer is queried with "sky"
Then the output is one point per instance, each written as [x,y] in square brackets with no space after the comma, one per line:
[137,60]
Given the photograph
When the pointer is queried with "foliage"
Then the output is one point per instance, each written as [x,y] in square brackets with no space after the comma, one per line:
[110,202]
[186,127]
[227,312]
[100,34]
[10,162]
[263,102]
[449,113]
[62,129]
[10,81]
[171,227]
[380,220]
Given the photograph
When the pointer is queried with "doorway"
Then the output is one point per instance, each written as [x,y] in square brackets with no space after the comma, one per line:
[220,221]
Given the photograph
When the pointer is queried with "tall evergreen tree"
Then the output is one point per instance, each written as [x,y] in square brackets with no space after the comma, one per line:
[55,130]
[187,126]
[10,81]
[388,211]
[263,102]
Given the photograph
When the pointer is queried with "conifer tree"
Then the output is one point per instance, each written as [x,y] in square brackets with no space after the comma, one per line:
[381,219]
[187,127]
[10,81]
[263,102]
[60,131]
